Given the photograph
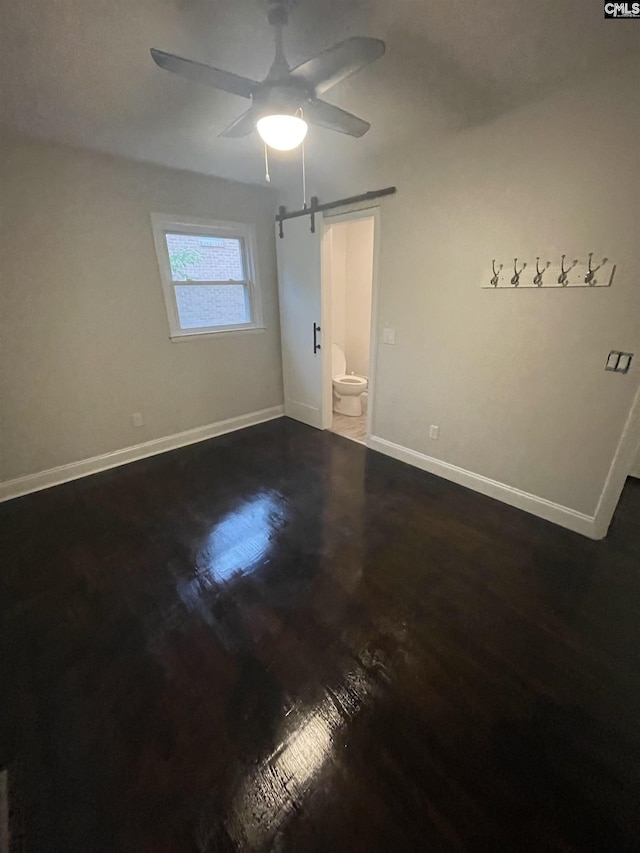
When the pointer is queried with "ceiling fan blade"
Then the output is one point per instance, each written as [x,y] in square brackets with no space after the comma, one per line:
[339,62]
[201,73]
[242,126]
[326,115]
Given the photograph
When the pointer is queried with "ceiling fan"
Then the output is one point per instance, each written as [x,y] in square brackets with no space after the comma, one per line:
[286,101]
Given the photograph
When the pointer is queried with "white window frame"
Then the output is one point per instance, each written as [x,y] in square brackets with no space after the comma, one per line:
[163,224]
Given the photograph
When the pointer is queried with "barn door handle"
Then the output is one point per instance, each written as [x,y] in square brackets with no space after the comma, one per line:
[316,345]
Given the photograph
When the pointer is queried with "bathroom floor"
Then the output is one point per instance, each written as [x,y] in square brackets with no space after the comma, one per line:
[349,427]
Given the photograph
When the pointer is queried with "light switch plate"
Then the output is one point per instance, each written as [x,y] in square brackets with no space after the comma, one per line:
[619,362]
[388,335]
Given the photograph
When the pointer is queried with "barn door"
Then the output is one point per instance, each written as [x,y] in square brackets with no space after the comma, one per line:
[300,291]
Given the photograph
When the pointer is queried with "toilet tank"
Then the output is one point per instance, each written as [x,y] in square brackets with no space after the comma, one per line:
[338,361]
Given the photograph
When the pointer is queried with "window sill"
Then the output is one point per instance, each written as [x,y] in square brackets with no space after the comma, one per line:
[183,337]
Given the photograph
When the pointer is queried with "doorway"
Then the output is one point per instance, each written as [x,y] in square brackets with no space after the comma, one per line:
[347,284]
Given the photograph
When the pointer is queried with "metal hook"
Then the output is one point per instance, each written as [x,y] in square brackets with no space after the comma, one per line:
[496,273]
[590,278]
[537,279]
[515,281]
[563,278]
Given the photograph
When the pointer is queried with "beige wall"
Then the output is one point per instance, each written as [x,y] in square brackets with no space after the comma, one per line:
[338,282]
[515,379]
[351,280]
[359,279]
[83,327]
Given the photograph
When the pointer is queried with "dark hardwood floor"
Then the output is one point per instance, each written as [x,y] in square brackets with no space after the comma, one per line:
[278,640]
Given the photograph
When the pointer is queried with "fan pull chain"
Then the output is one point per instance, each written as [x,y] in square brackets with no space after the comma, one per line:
[266,164]
[304,179]
[304,170]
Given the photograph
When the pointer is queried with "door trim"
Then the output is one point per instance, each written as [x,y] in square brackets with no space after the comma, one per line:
[625,454]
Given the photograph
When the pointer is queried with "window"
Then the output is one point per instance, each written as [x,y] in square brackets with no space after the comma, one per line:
[208,274]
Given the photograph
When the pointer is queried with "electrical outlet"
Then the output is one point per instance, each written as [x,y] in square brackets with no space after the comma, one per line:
[434,432]
[137,419]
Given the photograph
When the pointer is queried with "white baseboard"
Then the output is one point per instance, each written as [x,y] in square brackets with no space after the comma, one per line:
[74,470]
[562,515]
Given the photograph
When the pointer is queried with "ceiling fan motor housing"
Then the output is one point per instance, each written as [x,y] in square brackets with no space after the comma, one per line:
[284,99]
[278,12]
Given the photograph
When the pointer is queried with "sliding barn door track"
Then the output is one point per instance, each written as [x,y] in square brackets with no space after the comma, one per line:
[316,207]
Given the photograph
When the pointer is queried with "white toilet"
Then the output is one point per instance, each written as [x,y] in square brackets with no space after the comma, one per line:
[347,388]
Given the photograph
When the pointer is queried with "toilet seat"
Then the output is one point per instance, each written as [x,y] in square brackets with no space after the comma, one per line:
[350,379]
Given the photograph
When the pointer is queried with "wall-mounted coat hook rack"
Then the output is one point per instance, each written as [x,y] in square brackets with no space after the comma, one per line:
[549,275]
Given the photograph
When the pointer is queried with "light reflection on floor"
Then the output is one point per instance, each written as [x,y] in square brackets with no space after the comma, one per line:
[276,787]
[240,541]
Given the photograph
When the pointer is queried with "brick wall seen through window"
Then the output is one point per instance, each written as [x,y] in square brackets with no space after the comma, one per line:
[208,275]
[195,258]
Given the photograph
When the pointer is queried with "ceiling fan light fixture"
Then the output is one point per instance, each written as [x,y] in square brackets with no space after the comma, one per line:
[282,132]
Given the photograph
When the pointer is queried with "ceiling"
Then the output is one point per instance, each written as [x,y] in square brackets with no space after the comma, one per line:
[79,71]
